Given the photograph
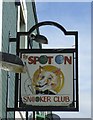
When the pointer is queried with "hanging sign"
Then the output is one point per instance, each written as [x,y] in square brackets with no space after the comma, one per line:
[48,80]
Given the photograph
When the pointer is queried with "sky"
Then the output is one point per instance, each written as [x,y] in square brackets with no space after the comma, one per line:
[73,16]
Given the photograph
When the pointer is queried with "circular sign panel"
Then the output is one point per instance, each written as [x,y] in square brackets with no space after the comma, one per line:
[52,117]
[48,78]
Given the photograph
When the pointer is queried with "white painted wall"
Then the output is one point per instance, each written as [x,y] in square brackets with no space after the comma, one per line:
[1,24]
[0,50]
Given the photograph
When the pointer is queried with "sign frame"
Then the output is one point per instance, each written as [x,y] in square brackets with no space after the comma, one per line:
[29,48]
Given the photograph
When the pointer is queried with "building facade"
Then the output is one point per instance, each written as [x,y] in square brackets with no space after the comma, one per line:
[17,16]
